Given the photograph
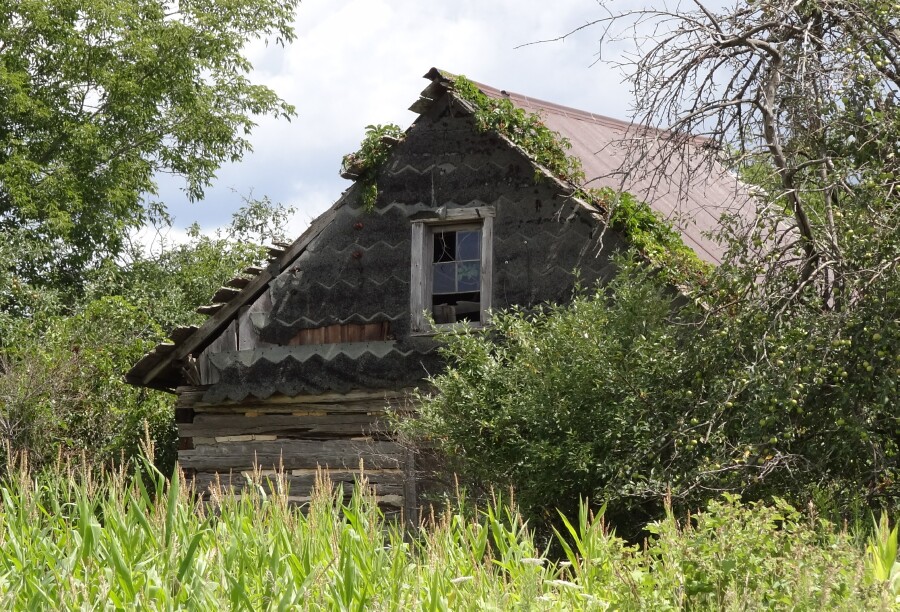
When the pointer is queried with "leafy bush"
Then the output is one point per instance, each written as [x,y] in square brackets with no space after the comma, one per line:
[625,396]
[62,392]
[568,402]
[62,356]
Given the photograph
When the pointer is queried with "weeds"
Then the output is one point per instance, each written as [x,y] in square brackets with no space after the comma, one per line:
[75,539]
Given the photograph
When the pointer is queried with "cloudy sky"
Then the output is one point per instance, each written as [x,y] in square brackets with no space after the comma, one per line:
[359,62]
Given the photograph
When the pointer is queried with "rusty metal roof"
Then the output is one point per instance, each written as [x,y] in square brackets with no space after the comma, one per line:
[687,188]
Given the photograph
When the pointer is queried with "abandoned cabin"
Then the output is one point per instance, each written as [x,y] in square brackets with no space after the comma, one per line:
[300,361]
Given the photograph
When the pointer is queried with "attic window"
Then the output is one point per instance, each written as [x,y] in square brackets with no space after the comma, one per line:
[456,276]
[451,268]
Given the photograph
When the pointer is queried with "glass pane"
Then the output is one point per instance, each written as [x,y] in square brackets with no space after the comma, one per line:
[468,245]
[469,276]
[444,246]
[445,277]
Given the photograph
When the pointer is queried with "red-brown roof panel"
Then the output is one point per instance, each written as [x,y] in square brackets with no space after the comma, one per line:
[688,190]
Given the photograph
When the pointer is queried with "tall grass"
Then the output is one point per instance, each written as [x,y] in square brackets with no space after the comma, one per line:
[76,540]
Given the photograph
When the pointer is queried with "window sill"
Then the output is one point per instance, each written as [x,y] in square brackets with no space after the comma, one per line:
[439,328]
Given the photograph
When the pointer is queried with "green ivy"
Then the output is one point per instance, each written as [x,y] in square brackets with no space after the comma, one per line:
[653,237]
[526,130]
[373,151]
[650,235]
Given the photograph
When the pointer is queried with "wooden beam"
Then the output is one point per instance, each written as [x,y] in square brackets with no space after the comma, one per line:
[238,282]
[321,398]
[226,294]
[209,309]
[256,287]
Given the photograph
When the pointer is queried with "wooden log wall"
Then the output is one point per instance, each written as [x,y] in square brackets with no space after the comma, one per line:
[235,443]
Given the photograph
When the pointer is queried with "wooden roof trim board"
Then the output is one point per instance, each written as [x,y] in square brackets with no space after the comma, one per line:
[223,315]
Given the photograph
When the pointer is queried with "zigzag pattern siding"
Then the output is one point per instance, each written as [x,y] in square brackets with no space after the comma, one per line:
[357,270]
[290,372]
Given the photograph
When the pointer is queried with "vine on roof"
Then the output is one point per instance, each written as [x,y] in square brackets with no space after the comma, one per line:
[363,165]
[527,130]
[655,238]
[652,236]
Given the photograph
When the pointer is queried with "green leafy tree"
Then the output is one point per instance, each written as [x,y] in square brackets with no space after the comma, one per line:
[97,98]
[803,98]
[61,386]
[176,278]
[61,392]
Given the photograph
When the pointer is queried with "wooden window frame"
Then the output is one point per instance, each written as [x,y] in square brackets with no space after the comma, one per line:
[423,230]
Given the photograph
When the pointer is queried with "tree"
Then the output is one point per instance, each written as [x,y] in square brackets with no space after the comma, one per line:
[802,98]
[99,97]
[61,387]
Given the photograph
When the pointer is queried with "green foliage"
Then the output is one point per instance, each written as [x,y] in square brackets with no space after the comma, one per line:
[364,164]
[569,402]
[83,541]
[97,97]
[61,364]
[524,129]
[882,551]
[737,556]
[623,398]
[170,280]
[654,238]
[62,391]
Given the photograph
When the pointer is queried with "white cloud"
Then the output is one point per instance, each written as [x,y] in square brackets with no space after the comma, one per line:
[356,62]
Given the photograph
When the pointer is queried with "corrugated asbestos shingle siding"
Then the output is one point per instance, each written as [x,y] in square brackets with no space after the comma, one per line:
[358,269]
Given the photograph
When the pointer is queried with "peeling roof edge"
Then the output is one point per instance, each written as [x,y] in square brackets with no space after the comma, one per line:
[155,369]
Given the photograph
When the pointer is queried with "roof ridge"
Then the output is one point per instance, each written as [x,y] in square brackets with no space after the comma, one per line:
[569,111]
[529,102]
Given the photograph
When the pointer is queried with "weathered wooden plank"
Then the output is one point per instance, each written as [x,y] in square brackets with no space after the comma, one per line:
[292,454]
[410,509]
[248,335]
[204,367]
[238,282]
[322,398]
[209,309]
[375,408]
[308,447]
[188,396]
[198,460]
[225,294]
[284,426]
[417,280]
[390,483]
[342,332]
[487,267]
[182,332]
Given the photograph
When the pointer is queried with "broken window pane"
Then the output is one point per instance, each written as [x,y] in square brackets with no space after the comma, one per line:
[445,277]
[468,277]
